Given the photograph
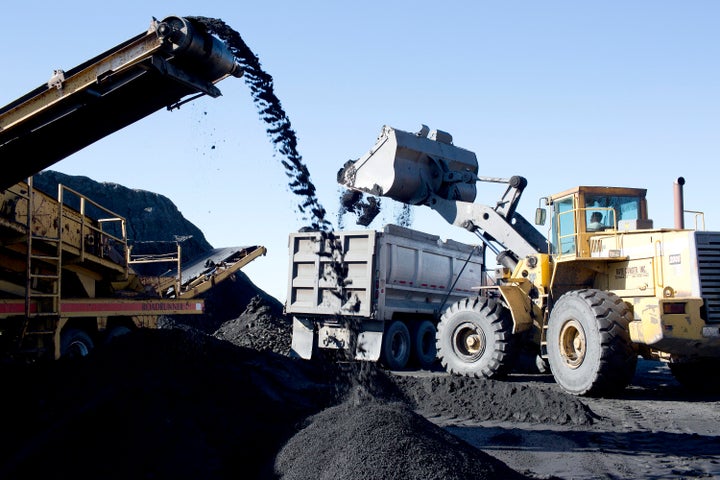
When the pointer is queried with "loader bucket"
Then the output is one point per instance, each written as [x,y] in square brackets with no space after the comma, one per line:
[409,167]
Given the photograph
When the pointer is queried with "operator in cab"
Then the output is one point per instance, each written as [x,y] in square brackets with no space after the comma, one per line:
[595,224]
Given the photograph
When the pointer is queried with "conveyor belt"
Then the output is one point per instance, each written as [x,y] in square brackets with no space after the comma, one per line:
[157,69]
[202,274]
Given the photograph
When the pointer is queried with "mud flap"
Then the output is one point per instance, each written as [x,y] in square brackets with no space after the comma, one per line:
[369,343]
[303,338]
[368,335]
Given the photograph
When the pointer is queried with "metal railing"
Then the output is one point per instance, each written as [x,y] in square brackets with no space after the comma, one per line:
[96,237]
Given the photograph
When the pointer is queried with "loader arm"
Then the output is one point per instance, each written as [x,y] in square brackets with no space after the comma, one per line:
[173,59]
[516,235]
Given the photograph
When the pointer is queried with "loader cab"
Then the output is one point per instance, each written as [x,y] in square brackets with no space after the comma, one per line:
[583,212]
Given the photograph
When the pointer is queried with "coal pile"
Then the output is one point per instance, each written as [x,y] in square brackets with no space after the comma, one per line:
[376,439]
[154,223]
[261,327]
[463,398]
[226,301]
[156,404]
[181,404]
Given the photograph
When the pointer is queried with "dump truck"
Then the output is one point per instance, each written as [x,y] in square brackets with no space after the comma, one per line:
[67,273]
[375,295]
[590,298]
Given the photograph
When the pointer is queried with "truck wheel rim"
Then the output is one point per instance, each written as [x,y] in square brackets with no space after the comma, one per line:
[398,346]
[469,342]
[573,344]
[77,349]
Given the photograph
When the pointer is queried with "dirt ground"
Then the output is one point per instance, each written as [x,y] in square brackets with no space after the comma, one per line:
[655,429]
[181,403]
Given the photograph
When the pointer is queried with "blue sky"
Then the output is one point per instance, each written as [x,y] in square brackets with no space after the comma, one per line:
[565,93]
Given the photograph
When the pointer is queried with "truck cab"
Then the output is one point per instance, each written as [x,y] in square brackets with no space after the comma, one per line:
[586,211]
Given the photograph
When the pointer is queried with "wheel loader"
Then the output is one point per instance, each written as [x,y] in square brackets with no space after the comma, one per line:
[602,289]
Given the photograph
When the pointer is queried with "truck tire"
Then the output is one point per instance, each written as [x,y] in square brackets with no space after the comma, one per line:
[474,338]
[396,346]
[424,349]
[75,343]
[701,376]
[588,343]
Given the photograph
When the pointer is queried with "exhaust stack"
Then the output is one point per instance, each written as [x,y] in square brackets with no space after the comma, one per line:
[679,203]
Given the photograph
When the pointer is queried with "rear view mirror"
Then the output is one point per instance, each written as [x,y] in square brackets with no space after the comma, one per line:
[540,216]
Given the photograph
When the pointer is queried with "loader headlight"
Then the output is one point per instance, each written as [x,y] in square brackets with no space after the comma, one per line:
[668,292]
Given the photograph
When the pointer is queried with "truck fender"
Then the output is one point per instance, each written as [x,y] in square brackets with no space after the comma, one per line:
[521,307]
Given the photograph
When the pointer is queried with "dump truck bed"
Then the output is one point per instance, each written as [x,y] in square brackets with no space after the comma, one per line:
[396,270]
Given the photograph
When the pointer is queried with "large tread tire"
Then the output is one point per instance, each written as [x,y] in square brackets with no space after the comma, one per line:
[474,338]
[424,349]
[588,343]
[396,346]
[75,343]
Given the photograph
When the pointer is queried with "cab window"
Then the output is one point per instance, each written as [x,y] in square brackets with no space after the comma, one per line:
[600,210]
[563,228]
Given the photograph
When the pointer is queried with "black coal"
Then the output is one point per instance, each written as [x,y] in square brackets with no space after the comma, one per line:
[279,128]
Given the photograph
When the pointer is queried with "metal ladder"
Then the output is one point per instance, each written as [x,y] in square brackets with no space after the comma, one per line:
[43,277]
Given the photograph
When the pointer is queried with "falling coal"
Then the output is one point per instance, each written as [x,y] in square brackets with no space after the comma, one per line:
[279,128]
[352,201]
[404,218]
[284,140]
[367,208]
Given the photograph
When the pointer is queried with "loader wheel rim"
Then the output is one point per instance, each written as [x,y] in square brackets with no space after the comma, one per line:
[573,344]
[469,342]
